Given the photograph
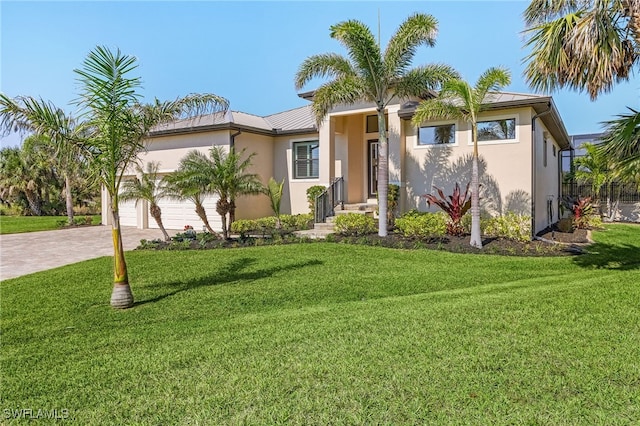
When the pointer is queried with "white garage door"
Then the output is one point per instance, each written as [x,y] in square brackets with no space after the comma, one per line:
[177,214]
[128,213]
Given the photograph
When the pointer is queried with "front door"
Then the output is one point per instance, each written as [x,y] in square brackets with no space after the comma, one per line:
[372,175]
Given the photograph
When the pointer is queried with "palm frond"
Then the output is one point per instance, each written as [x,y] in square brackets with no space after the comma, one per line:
[437,109]
[543,10]
[492,80]
[622,139]
[342,91]
[329,65]
[418,29]
[364,52]
[422,81]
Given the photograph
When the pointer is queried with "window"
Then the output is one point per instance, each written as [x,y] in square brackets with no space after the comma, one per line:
[305,160]
[544,152]
[497,130]
[553,148]
[437,135]
[372,123]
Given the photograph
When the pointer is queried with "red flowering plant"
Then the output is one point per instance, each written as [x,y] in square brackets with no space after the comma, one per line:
[455,205]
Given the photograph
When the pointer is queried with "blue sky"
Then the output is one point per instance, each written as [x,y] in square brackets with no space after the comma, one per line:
[249,52]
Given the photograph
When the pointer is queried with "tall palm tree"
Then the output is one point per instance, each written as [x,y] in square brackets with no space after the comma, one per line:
[191,181]
[231,179]
[370,75]
[146,186]
[117,125]
[588,44]
[458,100]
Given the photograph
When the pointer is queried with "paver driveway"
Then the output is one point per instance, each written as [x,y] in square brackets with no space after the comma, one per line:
[22,254]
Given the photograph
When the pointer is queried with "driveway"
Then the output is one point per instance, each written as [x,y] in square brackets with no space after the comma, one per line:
[22,254]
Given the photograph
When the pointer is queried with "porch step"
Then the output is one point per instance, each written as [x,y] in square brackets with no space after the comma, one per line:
[327,226]
[355,207]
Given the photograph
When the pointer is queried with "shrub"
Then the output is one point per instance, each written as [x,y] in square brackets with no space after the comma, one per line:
[414,224]
[594,221]
[393,195]
[580,209]
[244,227]
[511,226]
[312,194]
[355,224]
[455,205]
[296,222]
[565,224]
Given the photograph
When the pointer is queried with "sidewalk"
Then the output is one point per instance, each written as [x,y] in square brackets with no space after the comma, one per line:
[22,254]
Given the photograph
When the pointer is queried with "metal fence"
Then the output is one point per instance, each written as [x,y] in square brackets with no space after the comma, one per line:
[614,191]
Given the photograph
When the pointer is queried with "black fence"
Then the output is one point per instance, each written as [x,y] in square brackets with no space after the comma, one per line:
[621,192]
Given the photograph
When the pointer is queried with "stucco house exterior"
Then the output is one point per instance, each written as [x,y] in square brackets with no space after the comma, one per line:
[521,135]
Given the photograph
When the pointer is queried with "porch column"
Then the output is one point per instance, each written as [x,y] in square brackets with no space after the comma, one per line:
[397,153]
[327,162]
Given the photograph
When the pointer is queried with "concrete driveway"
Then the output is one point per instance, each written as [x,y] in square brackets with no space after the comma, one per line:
[22,254]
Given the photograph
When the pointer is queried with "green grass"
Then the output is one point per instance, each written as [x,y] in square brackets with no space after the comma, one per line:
[19,224]
[332,334]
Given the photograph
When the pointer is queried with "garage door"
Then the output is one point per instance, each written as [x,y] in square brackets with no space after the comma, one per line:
[128,213]
[177,214]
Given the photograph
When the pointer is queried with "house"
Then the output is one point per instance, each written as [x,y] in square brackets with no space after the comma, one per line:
[521,137]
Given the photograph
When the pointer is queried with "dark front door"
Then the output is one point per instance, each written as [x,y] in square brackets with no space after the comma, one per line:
[372,175]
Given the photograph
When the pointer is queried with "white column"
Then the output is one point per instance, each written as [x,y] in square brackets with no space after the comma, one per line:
[327,148]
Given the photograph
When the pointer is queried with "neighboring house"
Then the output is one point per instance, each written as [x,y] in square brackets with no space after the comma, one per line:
[521,137]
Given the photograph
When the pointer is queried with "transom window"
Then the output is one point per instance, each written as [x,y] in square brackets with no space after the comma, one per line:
[437,135]
[305,160]
[497,130]
[372,123]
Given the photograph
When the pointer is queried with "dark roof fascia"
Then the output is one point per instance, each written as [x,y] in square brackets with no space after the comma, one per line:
[308,96]
[212,127]
[308,130]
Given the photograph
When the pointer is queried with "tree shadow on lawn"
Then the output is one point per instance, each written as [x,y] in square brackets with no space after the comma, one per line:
[231,272]
[623,257]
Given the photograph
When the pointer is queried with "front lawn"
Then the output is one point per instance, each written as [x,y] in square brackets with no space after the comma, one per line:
[326,333]
[19,224]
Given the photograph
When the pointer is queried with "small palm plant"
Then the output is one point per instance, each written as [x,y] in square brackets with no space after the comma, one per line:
[455,205]
[273,190]
[146,186]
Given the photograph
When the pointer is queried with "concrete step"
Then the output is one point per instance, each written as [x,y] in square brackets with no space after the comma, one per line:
[358,207]
[330,226]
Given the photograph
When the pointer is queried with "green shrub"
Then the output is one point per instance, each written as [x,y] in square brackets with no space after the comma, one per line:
[355,224]
[296,222]
[415,224]
[244,227]
[594,221]
[312,194]
[511,226]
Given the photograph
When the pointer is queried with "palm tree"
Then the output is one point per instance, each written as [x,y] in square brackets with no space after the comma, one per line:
[458,100]
[231,179]
[590,44]
[370,75]
[191,181]
[117,124]
[273,190]
[26,113]
[146,186]
[621,145]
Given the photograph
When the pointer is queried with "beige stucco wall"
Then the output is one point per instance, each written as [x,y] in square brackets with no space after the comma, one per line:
[505,166]
[255,206]
[546,178]
[294,194]
[169,150]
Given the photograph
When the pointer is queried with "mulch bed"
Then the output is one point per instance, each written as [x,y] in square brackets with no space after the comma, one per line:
[572,243]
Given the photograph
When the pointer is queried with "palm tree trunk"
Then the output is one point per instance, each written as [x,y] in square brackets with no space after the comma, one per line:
[202,214]
[476,238]
[34,202]
[222,208]
[156,213]
[383,173]
[68,198]
[232,215]
[121,296]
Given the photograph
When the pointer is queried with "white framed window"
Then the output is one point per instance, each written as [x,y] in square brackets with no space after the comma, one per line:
[306,158]
[439,134]
[372,123]
[497,129]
